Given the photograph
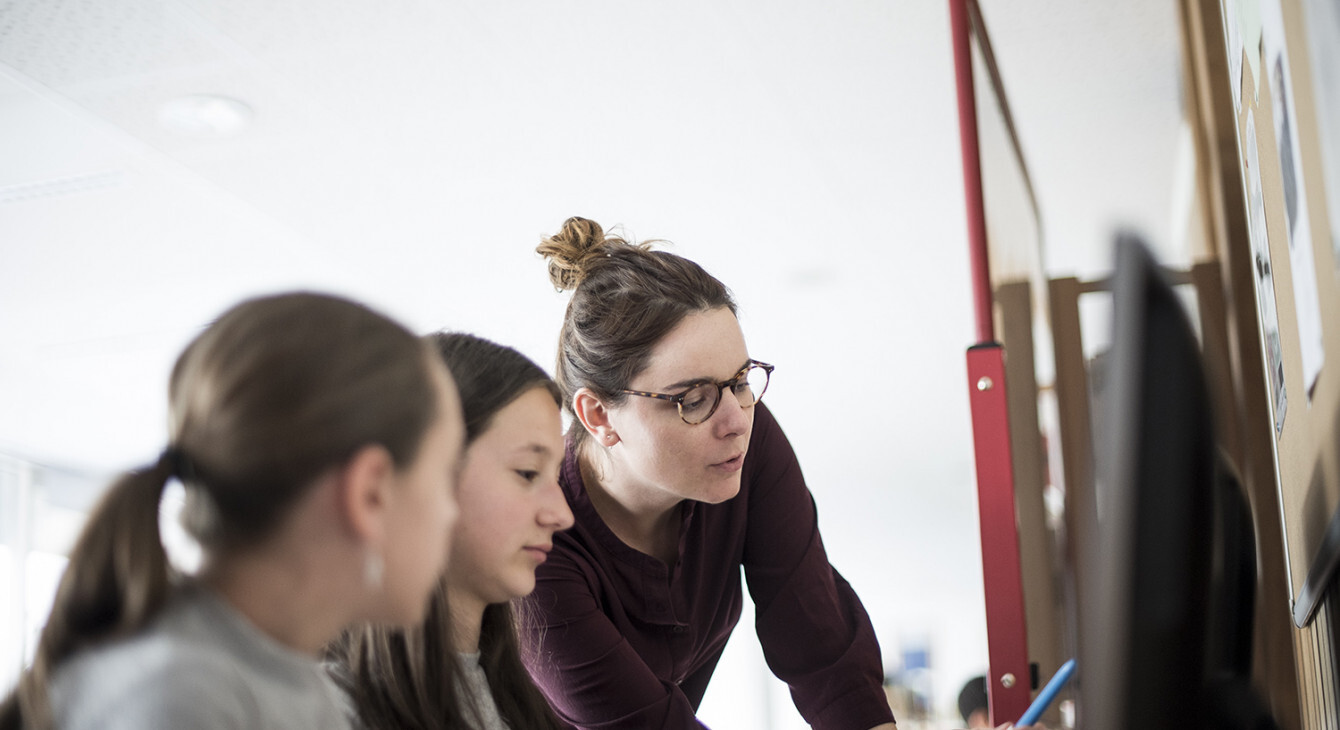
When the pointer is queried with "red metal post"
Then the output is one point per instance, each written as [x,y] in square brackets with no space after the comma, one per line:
[1008,688]
[972,170]
[1008,685]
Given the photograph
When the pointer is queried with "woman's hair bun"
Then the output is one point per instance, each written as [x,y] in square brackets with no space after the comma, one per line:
[579,246]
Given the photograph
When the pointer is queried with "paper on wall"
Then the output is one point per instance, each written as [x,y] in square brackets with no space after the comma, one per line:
[1233,39]
[1264,275]
[1249,25]
[1302,255]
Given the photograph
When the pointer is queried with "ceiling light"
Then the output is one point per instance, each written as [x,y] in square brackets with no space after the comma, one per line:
[205,115]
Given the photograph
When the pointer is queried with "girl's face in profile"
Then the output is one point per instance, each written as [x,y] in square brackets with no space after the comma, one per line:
[511,503]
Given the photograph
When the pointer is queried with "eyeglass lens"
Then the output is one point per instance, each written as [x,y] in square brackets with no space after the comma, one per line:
[701,400]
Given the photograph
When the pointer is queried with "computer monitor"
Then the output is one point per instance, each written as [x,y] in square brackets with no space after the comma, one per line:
[1142,644]
[1170,566]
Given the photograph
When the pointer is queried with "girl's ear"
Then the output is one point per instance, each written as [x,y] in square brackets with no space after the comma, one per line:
[594,416]
[365,483]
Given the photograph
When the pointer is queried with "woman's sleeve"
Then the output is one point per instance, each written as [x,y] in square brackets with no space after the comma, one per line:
[815,634]
[589,673]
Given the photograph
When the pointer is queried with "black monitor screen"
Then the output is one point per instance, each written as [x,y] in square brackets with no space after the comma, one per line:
[1142,646]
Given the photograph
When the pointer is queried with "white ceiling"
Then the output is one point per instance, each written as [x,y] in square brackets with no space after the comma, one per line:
[412,152]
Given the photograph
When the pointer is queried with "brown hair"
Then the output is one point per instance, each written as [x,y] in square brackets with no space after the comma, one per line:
[269,396]
[626,297]
[411,678]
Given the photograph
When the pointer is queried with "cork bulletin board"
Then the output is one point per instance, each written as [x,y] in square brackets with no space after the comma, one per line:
[1297,286]
[1259,71]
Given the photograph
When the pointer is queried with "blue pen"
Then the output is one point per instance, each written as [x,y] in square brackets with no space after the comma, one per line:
[1047,694]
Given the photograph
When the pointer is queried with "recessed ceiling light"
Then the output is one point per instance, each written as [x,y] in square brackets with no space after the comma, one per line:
[205,115]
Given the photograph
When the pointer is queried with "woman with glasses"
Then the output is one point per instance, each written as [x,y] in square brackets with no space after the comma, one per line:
[677,477]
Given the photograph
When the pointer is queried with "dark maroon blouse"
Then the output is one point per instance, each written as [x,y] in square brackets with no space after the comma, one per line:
[621,640]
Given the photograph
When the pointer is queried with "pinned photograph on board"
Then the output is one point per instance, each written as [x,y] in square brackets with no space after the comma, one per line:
[1233,37]
[1247,24]
[1264,274]
[1302,255]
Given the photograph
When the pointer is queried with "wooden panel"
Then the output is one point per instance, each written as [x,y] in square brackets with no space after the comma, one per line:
[1072,398]
[1042,604]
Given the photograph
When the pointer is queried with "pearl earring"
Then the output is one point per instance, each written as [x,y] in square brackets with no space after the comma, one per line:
[374,569]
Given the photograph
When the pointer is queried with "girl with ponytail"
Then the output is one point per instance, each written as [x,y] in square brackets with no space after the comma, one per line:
[461,668]
[317,441]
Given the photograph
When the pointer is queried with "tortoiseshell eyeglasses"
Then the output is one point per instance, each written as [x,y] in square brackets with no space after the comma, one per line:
[700,401]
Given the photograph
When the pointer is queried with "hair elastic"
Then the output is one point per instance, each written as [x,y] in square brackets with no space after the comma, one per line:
[178,464]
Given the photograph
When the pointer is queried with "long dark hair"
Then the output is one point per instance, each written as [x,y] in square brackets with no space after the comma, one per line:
[625,298]
[411,678]
[269,396]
